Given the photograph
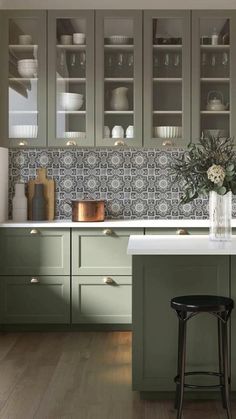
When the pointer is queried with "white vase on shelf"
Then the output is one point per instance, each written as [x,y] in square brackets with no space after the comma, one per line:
[119,100]
[19,203]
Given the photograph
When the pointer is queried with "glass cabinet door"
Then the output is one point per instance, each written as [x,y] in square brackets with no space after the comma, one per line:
[24,91]
[119,78]
[166,78]
[213,96]
[71,78]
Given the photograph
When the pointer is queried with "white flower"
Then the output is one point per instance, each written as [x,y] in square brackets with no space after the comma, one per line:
[216,174]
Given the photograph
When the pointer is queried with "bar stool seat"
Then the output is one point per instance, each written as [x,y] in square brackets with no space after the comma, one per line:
[189,306]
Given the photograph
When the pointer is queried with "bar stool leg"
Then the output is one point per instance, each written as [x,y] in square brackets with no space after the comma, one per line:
[183,326]
[220,352]
[225,349]
[180,344]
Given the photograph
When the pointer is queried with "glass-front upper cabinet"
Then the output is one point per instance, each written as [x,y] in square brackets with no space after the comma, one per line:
[213,74]
[119,78]
[71,78]
[24,78]
[166,78]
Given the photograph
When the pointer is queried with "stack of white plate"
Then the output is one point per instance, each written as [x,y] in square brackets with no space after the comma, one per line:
[168,132]
[75,134]
[27,68]
[118,39]
[71,101]
[24,131]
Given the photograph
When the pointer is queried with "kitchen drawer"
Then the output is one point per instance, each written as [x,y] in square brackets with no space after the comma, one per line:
[184,230]
[95,301]
[42,299]
[33,251]
[101,251]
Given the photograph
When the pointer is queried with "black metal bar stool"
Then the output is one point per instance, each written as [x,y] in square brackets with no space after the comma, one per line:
[187,307]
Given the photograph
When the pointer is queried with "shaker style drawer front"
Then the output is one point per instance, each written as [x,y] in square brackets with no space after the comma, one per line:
[101,251]
[101,299]
[35,251]
[176,231]
[41,299]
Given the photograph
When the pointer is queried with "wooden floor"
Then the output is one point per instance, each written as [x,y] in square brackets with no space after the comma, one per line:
[78,375]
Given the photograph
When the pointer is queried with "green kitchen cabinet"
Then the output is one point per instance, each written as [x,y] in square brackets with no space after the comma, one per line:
[24,83]
[101,299]
[157,279]
[176,231]
[32,300]
[30,251]
[101,251]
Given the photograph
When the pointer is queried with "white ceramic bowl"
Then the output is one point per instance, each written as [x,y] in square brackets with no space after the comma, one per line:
[168,132]
[78,38]
[24,131]
[75,134]
[71,101]
[27,68]
[118,39]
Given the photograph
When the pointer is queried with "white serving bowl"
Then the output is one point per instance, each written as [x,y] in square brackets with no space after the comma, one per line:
[78,38]
[118,39]
[71,101]
[24,131]
[75,134]
[168,132]
[27,68]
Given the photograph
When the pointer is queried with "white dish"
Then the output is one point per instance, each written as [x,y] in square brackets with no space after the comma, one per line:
[168,132]
[27,68]
[24,131]
[25,39]
[118,39]
[75,134]
[78,38]
[66,39]
[71,101]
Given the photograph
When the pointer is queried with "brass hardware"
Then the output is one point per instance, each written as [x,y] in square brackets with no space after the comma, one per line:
[34,231]
[167,143]
[182,232]
[107,232]
[108,280]
[34,281]
[119,143]
[22,143]
[71,142]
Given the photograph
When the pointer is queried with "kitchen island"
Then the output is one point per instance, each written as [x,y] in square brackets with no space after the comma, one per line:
[165,267]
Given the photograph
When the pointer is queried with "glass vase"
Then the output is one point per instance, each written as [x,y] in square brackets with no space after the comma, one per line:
[220,212]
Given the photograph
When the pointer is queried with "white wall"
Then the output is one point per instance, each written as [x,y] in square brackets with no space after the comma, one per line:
[117,4]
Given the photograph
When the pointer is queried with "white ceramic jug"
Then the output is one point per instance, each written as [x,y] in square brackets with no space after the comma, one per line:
[130,131]
[119,100]
[117,131]
[19,203]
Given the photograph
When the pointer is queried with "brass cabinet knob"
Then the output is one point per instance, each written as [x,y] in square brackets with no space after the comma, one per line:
[34,281]
[119,143]
[107,232]
[108,280]
[71,142]
[167,143]
[34,231]
[22,143]
[182,232]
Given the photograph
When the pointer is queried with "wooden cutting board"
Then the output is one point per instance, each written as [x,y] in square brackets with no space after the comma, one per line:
[49,193]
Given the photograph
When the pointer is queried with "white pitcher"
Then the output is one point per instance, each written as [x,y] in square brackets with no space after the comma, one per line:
[119,100]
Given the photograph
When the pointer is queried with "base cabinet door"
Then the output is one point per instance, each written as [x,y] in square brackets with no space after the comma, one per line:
[44,299]
[98,299]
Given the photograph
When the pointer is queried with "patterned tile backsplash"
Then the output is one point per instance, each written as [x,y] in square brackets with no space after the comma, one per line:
[134,183]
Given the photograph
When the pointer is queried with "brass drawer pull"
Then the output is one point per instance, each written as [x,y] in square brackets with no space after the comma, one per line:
[34,281]
[182,232]
[34,231]
[108,280]
[119,143]
[71,143]
[107,232]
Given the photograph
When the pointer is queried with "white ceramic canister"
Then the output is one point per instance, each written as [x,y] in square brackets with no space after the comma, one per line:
[119,99]
[19,203]
[130,131]
[117,131]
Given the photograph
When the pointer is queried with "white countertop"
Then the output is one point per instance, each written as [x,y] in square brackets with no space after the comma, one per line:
[179,245]
[114,224]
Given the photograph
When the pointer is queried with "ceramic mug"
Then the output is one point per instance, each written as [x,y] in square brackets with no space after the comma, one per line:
[25,39]
[66,39]
[130,132]
[117,131]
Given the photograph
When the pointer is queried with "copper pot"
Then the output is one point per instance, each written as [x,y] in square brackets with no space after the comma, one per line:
[88,210]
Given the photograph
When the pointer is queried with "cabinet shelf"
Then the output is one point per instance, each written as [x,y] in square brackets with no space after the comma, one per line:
[23,48]
[72,112]
[71,79]
[120,46]
[118,112]
[168,112]
[24,112]
[119,79]
[215,112]
[72,47]
[215,79]
[23,79]
[214,47]
[172,46]
[166,80]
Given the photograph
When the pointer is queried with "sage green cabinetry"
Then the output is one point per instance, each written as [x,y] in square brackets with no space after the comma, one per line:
[30,251]
[157,279]
[178,231]
[42,299]
[23,92]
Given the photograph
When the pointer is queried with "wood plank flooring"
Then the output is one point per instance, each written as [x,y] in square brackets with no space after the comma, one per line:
[79,375]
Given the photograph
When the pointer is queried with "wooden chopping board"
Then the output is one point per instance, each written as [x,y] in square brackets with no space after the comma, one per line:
[49,193]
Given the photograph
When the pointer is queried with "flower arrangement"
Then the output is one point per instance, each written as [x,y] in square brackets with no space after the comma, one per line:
[209,165]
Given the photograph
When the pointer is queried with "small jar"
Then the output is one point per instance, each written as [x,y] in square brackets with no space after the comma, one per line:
[19,203]
[39,203]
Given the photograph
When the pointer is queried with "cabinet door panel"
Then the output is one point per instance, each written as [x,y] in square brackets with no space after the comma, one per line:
[157,279]
[30,252]
[38,300]
[95,253]
[163,231]
[93,301]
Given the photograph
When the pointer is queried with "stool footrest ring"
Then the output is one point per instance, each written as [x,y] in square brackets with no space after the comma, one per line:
[209,373]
